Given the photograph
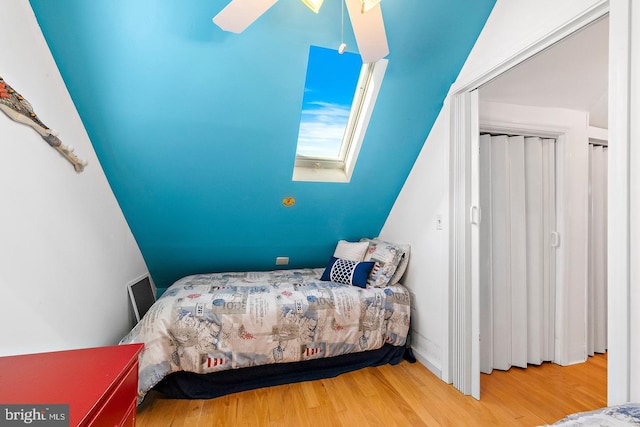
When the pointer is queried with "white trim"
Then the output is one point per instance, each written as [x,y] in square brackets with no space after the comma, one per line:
[589,16]
[520,129]
[447,298]
[619,370]
[364,117]
[421,358]
[633,286]
[598,134]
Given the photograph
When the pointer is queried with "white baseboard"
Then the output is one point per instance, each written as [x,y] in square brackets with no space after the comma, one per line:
[430,366]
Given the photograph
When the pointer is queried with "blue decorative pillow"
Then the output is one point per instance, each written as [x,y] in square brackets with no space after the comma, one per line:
[348,272]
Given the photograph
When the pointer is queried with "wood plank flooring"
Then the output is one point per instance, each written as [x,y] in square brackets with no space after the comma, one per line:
[402,395]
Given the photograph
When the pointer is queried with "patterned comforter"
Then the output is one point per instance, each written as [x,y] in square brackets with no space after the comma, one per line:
[612,416]
[213,322]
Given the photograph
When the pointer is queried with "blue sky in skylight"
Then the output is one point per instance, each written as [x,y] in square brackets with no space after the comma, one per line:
[328,94]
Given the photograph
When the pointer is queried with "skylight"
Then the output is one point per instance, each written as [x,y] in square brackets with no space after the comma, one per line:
[328,94]
[338,100]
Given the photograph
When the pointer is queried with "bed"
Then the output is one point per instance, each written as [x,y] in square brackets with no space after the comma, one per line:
[612,416]
[212,334]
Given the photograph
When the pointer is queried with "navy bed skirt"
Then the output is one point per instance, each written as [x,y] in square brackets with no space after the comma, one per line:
[187,385]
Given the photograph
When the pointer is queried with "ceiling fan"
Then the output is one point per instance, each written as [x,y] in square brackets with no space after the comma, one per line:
[365,16]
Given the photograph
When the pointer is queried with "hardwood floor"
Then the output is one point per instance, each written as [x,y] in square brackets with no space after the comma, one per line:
[402,395]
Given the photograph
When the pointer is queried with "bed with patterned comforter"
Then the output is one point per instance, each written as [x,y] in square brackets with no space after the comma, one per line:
[612,416]
[213,322]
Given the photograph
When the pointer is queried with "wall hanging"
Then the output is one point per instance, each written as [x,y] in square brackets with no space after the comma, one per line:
[19,109]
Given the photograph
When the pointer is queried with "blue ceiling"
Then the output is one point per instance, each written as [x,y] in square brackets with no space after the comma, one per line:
[196,129]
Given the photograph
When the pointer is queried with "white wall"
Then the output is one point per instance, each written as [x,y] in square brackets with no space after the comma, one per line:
[66,251]
[414,218]
[512,27]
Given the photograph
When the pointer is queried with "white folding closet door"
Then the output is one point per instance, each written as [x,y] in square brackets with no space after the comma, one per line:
[597,279]
[601,336]
[484,257]
[540,195]
[535,248]
[500,216]
[591,255]
[517,269]
[549,244]
[518,251]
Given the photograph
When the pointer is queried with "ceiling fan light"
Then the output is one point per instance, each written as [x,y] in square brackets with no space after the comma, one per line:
[314,5]
[367,5]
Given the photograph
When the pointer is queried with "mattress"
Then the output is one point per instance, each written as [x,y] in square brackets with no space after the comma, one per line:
[214,322]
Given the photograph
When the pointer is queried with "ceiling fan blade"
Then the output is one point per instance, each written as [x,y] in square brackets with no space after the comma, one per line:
[239,14]
[369,30]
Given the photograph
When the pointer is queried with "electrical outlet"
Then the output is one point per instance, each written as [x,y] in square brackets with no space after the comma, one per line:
[282,260]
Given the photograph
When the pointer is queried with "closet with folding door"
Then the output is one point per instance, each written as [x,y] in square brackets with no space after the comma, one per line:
[517,250]
[517,255]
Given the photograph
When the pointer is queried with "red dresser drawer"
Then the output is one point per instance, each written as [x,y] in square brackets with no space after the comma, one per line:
[130,420]
[116,406]
[100,384]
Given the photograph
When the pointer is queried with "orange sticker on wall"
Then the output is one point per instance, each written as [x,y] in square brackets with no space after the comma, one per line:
[288,201]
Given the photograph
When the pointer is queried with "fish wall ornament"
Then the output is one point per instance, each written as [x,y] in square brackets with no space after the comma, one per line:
[19,109]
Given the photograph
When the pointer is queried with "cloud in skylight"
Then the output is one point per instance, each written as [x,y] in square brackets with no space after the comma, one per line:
[322,127]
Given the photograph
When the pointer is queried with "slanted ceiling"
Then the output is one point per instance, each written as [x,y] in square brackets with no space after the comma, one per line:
[196,129]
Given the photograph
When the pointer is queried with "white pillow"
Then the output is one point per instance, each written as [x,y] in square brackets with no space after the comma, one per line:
[391,261]
[402,267]
[352,251]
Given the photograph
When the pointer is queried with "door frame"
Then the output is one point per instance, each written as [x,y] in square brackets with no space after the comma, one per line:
[464,319]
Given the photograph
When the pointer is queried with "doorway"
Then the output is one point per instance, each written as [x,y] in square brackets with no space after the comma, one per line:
[561,76]
[572,75]
[464,268]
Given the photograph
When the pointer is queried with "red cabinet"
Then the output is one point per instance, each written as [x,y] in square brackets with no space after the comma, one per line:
[99,384]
